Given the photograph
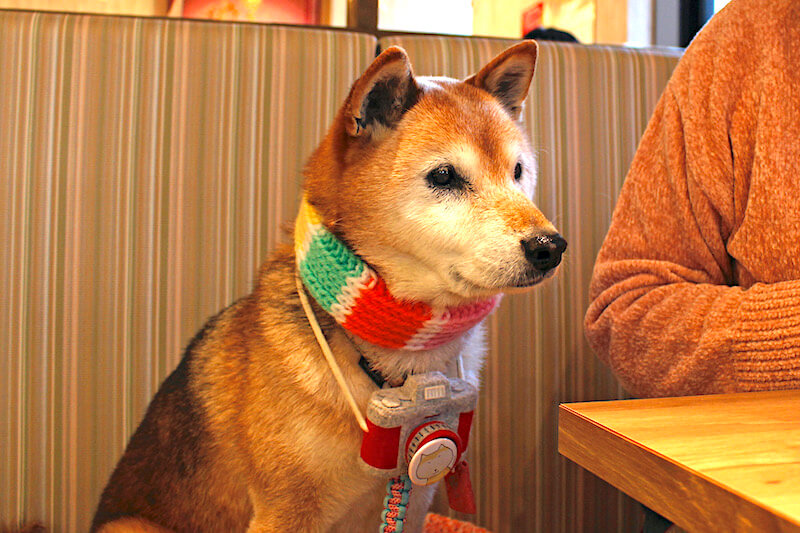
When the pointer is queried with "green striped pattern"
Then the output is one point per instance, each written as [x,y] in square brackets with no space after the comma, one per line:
[587,109]
[146,168]
[323,282]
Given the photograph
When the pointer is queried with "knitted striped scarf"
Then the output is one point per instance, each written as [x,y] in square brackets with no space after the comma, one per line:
[356,296]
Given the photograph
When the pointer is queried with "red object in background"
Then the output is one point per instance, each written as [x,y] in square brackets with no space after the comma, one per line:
[533,17]
[281,11]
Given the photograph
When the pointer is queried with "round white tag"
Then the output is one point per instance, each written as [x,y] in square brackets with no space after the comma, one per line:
[432,461]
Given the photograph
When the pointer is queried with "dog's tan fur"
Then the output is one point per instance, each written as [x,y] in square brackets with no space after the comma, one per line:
[251,431]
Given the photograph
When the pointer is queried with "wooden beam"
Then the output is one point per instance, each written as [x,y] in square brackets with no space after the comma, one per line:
[362,15]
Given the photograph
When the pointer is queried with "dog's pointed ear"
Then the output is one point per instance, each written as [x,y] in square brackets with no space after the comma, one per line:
[508,76]
[382,95]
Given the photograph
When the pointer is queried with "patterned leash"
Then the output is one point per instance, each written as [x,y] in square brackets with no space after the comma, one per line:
[395,504]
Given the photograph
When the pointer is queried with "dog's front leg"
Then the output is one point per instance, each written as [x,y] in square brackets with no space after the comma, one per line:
[418,505]
[271,522]
[289,505]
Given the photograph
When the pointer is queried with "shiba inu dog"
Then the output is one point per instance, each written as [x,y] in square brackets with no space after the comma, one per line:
[416,216]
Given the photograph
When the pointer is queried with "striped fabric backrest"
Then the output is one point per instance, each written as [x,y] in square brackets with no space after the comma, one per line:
[586,111]
[146,168]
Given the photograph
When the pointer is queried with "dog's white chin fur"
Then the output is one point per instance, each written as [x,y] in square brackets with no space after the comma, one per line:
[469,289]
[447,286]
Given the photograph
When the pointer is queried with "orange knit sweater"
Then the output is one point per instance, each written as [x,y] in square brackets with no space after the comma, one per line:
[696,288]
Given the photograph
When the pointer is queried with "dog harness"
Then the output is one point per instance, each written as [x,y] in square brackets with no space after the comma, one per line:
[358,298]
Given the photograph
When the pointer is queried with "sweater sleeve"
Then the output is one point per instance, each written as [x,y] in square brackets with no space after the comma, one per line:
[666,314]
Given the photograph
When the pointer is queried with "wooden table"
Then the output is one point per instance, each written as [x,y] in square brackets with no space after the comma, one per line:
[727,462]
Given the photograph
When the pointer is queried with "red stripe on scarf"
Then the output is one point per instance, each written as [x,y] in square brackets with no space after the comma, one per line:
[377,306]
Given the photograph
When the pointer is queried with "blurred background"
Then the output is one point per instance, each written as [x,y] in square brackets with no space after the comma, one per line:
[619,22]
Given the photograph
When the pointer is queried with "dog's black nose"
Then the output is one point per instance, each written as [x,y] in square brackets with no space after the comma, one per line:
[544,251]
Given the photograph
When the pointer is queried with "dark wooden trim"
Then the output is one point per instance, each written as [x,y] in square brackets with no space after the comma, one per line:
[362,15]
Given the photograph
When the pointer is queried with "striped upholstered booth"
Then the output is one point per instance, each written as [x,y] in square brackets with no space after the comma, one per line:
[146,168]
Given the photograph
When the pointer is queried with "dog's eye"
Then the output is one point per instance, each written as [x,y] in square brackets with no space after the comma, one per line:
[518,172]
[445,177]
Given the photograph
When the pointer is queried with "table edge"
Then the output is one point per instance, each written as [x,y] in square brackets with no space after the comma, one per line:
[677,478]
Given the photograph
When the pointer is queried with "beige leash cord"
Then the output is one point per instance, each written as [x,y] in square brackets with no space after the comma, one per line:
[326,350]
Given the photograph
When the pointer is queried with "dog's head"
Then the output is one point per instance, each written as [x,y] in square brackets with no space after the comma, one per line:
[430,180]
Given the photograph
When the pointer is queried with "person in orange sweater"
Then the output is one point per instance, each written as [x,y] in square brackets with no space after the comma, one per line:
[696,288]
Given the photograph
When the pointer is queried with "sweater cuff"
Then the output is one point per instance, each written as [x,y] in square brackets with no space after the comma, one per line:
[766,340]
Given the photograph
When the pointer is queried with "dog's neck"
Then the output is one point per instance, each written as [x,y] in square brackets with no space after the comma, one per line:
[358,299]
